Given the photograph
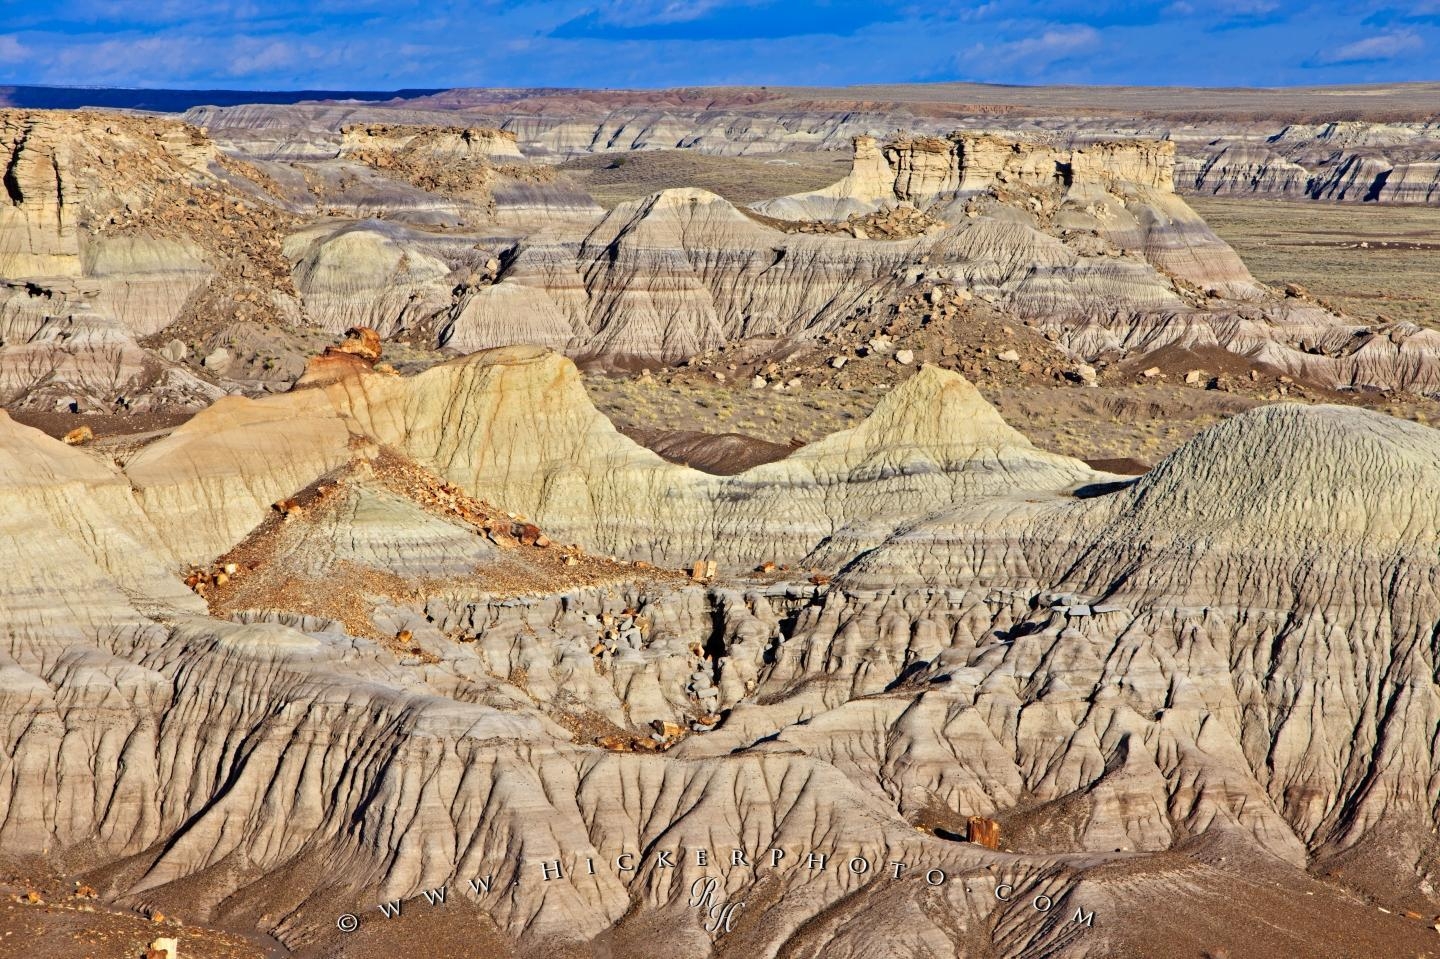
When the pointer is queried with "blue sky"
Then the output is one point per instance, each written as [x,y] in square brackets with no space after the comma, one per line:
[386,44]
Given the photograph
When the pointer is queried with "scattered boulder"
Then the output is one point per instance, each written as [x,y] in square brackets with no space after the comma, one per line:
[288,507]
[360,341]
[80,434]
[1008,356]
[905,357]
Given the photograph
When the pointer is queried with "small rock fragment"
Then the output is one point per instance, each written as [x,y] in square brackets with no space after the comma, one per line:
[218,360]
[165,947]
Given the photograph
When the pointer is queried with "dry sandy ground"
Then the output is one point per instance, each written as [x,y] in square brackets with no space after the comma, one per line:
[1373,262]
[64,925]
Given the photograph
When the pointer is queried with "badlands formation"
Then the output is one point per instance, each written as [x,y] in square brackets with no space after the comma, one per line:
[342,621]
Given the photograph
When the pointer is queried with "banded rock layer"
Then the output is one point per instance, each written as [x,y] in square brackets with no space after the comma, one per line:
[1197,662]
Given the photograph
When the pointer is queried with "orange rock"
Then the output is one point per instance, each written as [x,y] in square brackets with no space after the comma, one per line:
[668,729]
[404,636]
[361,341]
[80,434]
[820,579]
[619,744]
[984,832]
[331,366]
[527,533]
[765,567]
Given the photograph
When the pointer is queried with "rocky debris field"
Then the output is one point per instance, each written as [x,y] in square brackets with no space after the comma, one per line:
[457,162]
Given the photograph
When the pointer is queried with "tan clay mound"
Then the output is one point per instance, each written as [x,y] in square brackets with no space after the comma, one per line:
[515,427]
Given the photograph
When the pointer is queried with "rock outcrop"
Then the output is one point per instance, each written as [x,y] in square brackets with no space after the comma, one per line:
[921,170]
[444,143]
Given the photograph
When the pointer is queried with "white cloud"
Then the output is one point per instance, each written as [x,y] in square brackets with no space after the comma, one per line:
[1038,51]
[263,57]
[12,50]
[1384,46]
[1224,8]
[635,13]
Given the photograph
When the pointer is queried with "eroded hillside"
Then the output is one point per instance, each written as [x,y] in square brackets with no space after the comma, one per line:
[1040,552]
